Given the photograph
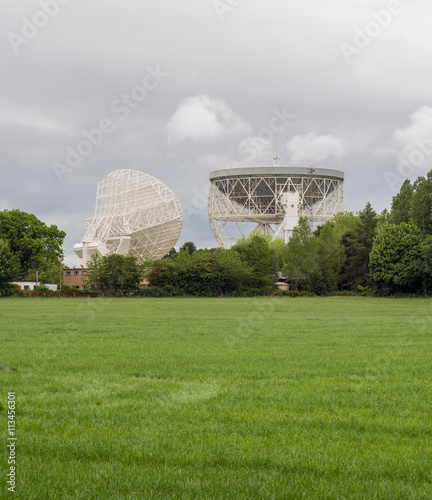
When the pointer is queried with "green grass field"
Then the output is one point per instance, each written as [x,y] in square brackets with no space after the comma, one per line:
[223,398]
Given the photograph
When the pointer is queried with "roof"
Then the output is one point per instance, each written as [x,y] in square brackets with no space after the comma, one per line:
[276,172]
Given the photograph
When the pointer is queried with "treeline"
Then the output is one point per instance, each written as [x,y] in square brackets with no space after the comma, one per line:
[249,266]
[331,258]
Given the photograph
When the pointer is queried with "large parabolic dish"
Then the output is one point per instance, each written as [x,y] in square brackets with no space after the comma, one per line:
[271,200]
[136,214]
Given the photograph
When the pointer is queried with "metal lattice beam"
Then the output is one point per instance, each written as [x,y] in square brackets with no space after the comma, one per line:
[242,196]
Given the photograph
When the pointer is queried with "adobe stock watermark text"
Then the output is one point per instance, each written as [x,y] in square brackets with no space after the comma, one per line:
[11,443]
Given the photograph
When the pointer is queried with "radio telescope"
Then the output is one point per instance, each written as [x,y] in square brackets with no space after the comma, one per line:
[271,200]
[136,214]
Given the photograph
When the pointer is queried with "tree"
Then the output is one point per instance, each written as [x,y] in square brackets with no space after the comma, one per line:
[330,257]
[115,274]
[34,243]
[203,274]
[357,244]
[426,253]
[256,253]
[172,253]
[233,272]
[164,274]
[301,259]
[189,246]
[413,204]
[48,272]
[420,210]
[396,263]
[277,247]
[9,268]
[401,204]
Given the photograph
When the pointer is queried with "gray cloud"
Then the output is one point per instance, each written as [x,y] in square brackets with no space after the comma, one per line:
[260,57]
[315,147]
[201,118]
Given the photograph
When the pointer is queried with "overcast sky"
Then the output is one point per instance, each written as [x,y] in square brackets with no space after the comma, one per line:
[178,89]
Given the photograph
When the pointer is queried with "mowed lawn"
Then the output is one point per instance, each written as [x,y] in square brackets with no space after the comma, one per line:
[224,398]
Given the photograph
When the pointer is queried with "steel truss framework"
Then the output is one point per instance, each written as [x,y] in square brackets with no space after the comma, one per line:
[239,197]
[135,214]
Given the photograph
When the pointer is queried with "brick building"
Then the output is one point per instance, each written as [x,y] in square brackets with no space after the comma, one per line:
[75,277]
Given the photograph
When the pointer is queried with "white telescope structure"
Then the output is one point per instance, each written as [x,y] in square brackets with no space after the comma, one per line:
[136,214]
[271,200]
